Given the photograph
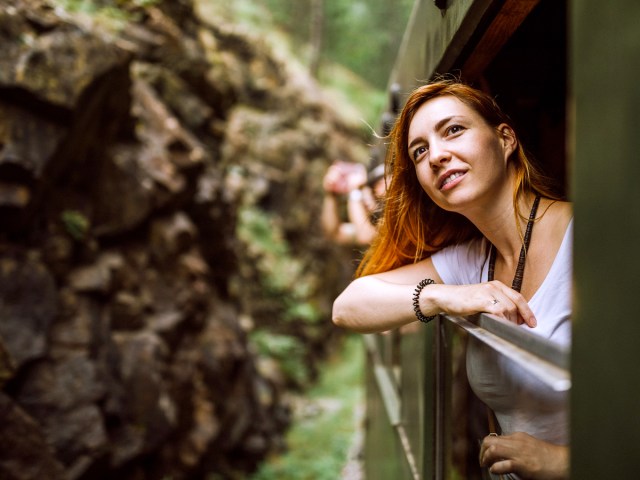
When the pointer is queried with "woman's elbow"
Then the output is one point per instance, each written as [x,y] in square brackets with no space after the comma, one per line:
[338,314]
[343,314]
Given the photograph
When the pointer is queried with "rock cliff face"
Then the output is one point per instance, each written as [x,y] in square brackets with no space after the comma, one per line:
[163,278]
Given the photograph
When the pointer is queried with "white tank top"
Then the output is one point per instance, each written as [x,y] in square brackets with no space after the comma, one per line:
[521,402]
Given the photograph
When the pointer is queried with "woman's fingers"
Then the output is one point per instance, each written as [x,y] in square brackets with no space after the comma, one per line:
[490,450]
[524,455]
[496,453]
[509,304]
[491,297]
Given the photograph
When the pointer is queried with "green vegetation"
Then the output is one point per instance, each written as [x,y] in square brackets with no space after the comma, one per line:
[362,35]
[99,5]
[113,15]
[283,279]
[354,98]
[281,275]
[287,350]
[326,422]
[75,223]
[360,40]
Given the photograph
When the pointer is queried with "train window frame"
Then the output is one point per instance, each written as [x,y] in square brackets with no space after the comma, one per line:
[542,359]
[545,360]
[600,108]
[412,368]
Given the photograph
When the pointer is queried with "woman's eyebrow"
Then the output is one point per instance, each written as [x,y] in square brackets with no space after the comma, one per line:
[445,120]
[437,127]
[414,142]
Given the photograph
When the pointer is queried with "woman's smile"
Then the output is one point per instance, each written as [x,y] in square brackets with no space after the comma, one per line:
[450,179]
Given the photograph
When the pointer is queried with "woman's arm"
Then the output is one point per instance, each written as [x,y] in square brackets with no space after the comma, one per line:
[380,302]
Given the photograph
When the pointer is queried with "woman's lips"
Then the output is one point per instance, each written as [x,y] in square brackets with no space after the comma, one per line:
[451,179]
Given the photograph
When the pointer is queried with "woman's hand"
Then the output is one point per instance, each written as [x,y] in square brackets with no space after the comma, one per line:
[525,456]
[491,297]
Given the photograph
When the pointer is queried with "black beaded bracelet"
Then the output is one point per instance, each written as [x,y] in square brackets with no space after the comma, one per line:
[416,301]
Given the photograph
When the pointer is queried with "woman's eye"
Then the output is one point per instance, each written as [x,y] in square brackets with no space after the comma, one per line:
[419,152]
[454,129]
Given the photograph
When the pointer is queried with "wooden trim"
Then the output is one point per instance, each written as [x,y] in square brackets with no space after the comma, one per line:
[502,27]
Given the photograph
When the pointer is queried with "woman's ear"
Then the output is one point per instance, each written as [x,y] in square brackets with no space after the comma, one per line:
[508,138]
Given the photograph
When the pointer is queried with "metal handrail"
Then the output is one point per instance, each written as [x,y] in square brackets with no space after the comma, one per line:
[546,360]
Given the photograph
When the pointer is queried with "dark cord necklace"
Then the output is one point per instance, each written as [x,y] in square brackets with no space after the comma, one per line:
[517,279]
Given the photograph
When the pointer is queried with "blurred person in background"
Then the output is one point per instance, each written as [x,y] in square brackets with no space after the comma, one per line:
[364,194]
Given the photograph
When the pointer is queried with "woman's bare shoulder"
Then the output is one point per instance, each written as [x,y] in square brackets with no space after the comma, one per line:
[554,221]
[564,208]
[556,212]
[564,214]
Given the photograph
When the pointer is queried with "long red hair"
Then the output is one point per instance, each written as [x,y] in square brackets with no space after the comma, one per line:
[413,227]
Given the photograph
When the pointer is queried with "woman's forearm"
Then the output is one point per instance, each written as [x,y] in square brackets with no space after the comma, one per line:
[370,305]
[384,301]
[381,302]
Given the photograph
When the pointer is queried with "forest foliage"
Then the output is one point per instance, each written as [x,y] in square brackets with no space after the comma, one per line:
[362,35]
[359,44]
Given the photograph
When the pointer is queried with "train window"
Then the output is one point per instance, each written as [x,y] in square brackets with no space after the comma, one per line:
[533,377]
[528,77]
[518,51]
[423,418]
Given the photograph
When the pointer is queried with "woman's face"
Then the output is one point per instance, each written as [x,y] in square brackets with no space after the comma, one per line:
[460,160]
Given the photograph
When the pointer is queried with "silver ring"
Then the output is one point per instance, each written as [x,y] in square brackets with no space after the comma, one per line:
[494,301]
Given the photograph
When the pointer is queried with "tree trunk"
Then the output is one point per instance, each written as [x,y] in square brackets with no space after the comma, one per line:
[317,23]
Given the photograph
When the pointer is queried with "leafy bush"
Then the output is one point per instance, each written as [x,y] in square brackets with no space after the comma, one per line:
[75,223]
[287,350]
[281,275]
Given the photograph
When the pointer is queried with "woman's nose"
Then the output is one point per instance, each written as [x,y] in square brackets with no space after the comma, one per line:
[438,154]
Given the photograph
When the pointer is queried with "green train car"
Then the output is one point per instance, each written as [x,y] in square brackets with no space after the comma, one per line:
[568,73]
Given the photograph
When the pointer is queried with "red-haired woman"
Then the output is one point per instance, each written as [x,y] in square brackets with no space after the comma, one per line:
[470,225]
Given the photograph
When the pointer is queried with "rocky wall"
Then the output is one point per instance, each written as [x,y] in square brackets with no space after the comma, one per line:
[160,188]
